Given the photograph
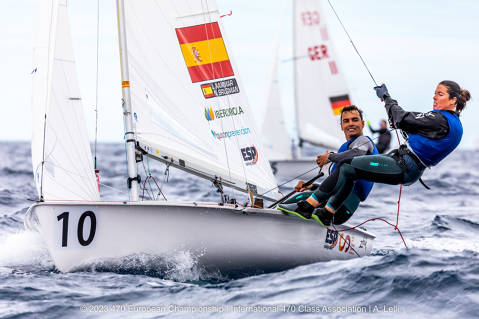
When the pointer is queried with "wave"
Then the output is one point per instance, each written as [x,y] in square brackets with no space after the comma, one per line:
[24,250]
[181,266]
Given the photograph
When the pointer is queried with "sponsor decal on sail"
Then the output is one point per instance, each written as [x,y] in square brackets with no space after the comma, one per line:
[220,88]
[338,102]
[210,116]
[250,155]
[230,134]
[221,113]
[204,52]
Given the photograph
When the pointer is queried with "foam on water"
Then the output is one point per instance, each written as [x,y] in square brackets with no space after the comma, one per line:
[180,266]
[445,244]
[24,248]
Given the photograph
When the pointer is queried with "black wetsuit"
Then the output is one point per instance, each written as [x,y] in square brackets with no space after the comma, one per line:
[384,139]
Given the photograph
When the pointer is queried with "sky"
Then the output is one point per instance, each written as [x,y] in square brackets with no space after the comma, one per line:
[410,45]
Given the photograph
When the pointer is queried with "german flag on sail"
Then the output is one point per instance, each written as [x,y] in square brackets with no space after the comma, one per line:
[204,52]
[338,102]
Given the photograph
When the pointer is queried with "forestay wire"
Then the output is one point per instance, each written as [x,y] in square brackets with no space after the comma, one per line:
[97,74]
[354,46]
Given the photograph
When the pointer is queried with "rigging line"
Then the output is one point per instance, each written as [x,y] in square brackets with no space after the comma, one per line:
[115,189]
[354,46]
[316,167]
[97,74]
[364,63]
[46,98]
[147,178]
[294,178]
[150,176]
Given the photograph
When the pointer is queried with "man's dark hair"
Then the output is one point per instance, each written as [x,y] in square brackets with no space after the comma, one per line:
[351,108]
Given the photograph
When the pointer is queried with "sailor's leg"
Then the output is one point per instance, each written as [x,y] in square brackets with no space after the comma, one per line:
[378,168]
[345,211]
[327,187]
[297,197]
[305,206]
[375,168]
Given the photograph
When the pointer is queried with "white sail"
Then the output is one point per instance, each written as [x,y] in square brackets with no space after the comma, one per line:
[320,89]
[188,104]
[59,130]
[275,136]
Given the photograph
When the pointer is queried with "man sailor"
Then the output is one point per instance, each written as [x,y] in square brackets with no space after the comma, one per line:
[352,124]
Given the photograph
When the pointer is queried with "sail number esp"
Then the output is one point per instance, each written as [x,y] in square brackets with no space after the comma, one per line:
[64,217]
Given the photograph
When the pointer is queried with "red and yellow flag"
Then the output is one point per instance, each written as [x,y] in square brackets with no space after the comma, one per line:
[338,102]
[204,52]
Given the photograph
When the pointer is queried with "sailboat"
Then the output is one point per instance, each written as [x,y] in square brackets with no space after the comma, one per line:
[320,93]
[183,105]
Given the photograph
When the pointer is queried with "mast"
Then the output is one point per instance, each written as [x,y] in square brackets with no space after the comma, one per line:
[297,152]
[133,178]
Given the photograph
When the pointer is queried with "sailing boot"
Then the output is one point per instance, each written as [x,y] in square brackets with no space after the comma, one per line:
[302,209]
[322,216]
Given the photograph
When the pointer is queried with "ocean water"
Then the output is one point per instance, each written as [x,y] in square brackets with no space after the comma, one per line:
[436,276]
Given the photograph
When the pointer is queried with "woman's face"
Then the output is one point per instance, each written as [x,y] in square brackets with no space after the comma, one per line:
[442,100]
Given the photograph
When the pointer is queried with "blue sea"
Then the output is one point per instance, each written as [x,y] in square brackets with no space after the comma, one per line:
[436,276]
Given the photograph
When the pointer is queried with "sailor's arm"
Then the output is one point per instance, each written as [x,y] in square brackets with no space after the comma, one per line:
[347,155]
[430,124]
[360,146]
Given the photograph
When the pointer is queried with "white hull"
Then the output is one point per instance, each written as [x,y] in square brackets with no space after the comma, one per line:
[224,238]
[292,169]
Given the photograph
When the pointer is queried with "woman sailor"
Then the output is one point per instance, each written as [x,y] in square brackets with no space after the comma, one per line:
[431,137]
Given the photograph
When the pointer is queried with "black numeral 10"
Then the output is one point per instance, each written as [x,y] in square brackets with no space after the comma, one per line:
[84,242]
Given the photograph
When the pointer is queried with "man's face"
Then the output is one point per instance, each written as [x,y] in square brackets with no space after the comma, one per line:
[351,124]
[383,124]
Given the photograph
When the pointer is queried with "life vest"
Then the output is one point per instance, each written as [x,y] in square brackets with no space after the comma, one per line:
[432,151]
[362,187]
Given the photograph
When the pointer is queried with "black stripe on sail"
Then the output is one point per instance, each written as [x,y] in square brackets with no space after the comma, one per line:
[339,98]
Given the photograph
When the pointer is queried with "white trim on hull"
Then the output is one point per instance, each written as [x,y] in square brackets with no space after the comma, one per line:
[226,238]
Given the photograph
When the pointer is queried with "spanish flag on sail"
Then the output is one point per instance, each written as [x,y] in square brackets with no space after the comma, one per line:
[338,102]
[204,52]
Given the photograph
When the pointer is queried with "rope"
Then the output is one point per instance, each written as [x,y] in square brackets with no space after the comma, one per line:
[342,25]
[97,73]
[316,167]
[380,218]
[373,219]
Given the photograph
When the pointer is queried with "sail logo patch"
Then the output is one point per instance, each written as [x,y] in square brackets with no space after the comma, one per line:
[210,116]
[230,134]
[220,88]
[221,113]
[338,102]
[250,155]
[204,52]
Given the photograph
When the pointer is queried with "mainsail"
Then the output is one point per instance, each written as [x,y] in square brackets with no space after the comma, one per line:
[320,89]
[188,104]
[59,132]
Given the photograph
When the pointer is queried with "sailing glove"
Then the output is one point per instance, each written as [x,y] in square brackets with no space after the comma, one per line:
[382,91]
